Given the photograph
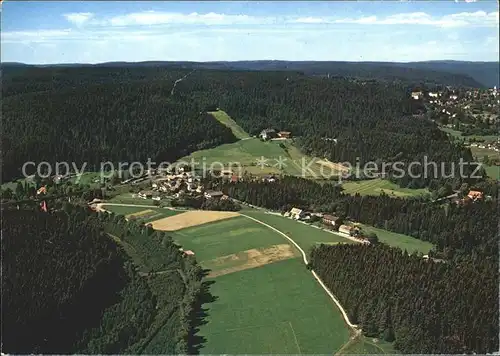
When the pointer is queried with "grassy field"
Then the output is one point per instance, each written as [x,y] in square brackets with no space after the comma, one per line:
[479,153]
[225,119]
[369,346]
[409,243]
[159,213]
[492,171]
[304,235]
[458,134]
[377,186]
[222,238]
[278,308]
[245,154]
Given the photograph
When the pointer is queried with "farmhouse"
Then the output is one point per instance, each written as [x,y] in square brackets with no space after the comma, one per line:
[267,134]
[297,213]
[331,220]
[269,178]
[416,95]
[345,229]
[188,253]
[284,134]
[212,194]
[146,194]
[475,195]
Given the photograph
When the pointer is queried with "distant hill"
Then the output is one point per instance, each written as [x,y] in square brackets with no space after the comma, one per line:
[456,73]
[486,73]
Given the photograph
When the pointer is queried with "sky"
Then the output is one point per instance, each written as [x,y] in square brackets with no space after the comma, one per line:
[395,31]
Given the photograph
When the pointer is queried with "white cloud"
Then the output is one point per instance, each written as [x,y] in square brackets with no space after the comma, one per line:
[79,18]
[165,18]
[478,18]
[38,36]
[309,20]
[150,18]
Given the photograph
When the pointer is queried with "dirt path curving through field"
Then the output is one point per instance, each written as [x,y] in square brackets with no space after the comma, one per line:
[354,327]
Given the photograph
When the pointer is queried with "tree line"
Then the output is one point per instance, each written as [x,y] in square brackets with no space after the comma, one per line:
[426,307]
[453,229]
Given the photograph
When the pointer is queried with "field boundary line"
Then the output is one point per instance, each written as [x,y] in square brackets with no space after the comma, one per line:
[295,337]
[342,310]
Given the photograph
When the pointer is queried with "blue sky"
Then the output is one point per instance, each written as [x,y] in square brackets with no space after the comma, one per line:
[93,32]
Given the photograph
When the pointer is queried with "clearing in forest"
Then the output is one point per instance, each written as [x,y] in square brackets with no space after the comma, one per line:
[226,120]
[379,186]
[332,165]
[191,218]
[143,214]
[260,158]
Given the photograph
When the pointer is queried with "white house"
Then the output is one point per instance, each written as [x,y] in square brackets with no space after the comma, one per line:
[297,213]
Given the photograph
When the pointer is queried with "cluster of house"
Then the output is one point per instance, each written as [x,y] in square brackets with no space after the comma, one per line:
[471,197]
[492,145]
[331,222]
[434,97]
[269,134]
[186,182]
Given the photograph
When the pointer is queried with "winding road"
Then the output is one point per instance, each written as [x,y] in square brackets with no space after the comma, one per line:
[354,327]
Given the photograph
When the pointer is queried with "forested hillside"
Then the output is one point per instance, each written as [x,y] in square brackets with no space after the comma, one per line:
[126,114]
[472,74]
[427,307]
[68,288]
[94,123]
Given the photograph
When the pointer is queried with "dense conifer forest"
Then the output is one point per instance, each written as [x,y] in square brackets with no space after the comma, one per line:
[69,288]
[119,114]
[426,307]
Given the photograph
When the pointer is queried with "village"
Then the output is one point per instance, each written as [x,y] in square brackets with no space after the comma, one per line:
[471,115]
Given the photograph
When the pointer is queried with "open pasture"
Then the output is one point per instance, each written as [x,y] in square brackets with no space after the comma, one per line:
[243,155]
[411,244]
[226,120]
[278,308]
[304,235]
[144,214]
[379,186]
[225,238]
